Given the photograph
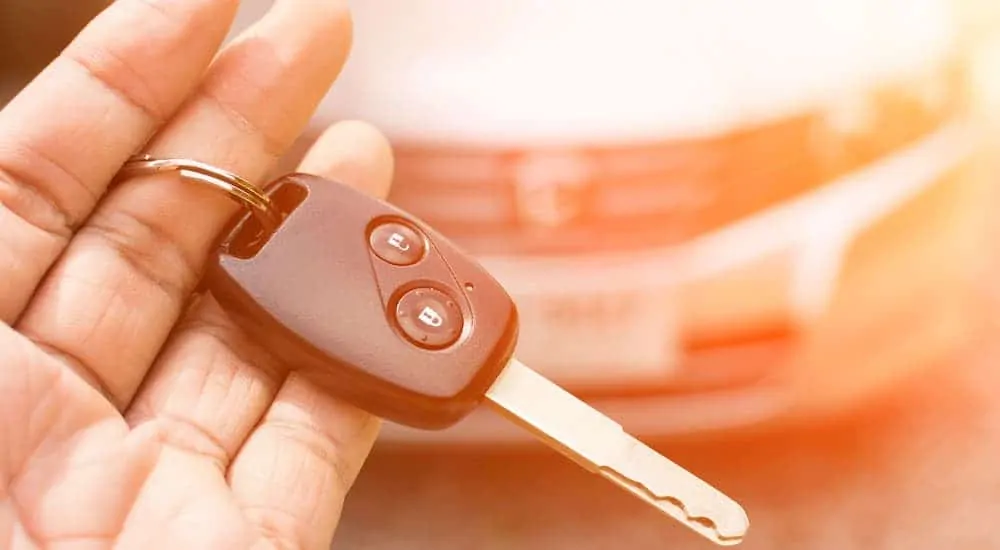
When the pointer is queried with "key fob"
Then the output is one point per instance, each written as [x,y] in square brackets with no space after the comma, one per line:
[366,301]
[381,311]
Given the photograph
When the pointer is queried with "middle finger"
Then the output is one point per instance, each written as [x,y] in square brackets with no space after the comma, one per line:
[112,300]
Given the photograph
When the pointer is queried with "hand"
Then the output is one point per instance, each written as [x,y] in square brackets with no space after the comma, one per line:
[130,417]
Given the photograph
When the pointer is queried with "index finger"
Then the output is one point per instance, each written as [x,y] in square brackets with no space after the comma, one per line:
[65,136]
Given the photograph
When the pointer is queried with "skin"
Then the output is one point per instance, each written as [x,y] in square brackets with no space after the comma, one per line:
[134,416]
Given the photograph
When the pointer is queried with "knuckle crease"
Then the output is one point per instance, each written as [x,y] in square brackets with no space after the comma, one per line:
[116,74]
[273,147]
[75,363]
[323,446]
[28,179]
[186,435]
[148,249]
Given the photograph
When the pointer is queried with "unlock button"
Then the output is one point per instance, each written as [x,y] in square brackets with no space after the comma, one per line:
[429,318]
[397,244]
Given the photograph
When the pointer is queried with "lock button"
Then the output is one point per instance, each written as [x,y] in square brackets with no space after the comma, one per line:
[397,243]
[429,318]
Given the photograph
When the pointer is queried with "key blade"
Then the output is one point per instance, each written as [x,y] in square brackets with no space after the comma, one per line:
[601,446]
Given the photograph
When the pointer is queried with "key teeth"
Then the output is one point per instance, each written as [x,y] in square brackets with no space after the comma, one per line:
[720,538]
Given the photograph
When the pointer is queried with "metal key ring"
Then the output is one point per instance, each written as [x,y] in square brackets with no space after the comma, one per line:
[238,188]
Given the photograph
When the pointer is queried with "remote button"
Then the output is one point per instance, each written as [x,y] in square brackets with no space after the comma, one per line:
[397,244]
[429,318]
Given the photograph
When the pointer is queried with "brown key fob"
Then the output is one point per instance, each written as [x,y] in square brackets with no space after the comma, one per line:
[381,311]
[366,301]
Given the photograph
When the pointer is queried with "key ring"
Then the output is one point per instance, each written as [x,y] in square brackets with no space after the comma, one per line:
[238,188]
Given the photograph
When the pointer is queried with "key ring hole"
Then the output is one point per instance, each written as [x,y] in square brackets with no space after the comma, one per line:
[249,235]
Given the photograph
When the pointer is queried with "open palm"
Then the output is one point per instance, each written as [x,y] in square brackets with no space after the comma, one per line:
[133,414]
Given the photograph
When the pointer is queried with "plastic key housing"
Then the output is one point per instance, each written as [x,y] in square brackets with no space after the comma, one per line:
[315,294]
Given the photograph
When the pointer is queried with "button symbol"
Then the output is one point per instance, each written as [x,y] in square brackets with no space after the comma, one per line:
[430,317]
[398,242]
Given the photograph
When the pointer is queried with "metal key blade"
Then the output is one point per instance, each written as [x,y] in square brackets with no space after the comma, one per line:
[600,445]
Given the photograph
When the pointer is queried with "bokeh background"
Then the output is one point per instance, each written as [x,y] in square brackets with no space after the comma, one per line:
[759,234]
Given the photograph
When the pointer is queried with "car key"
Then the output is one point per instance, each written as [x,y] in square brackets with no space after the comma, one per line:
[382,311]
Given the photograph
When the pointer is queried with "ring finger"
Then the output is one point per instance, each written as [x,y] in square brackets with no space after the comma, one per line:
[113,298]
